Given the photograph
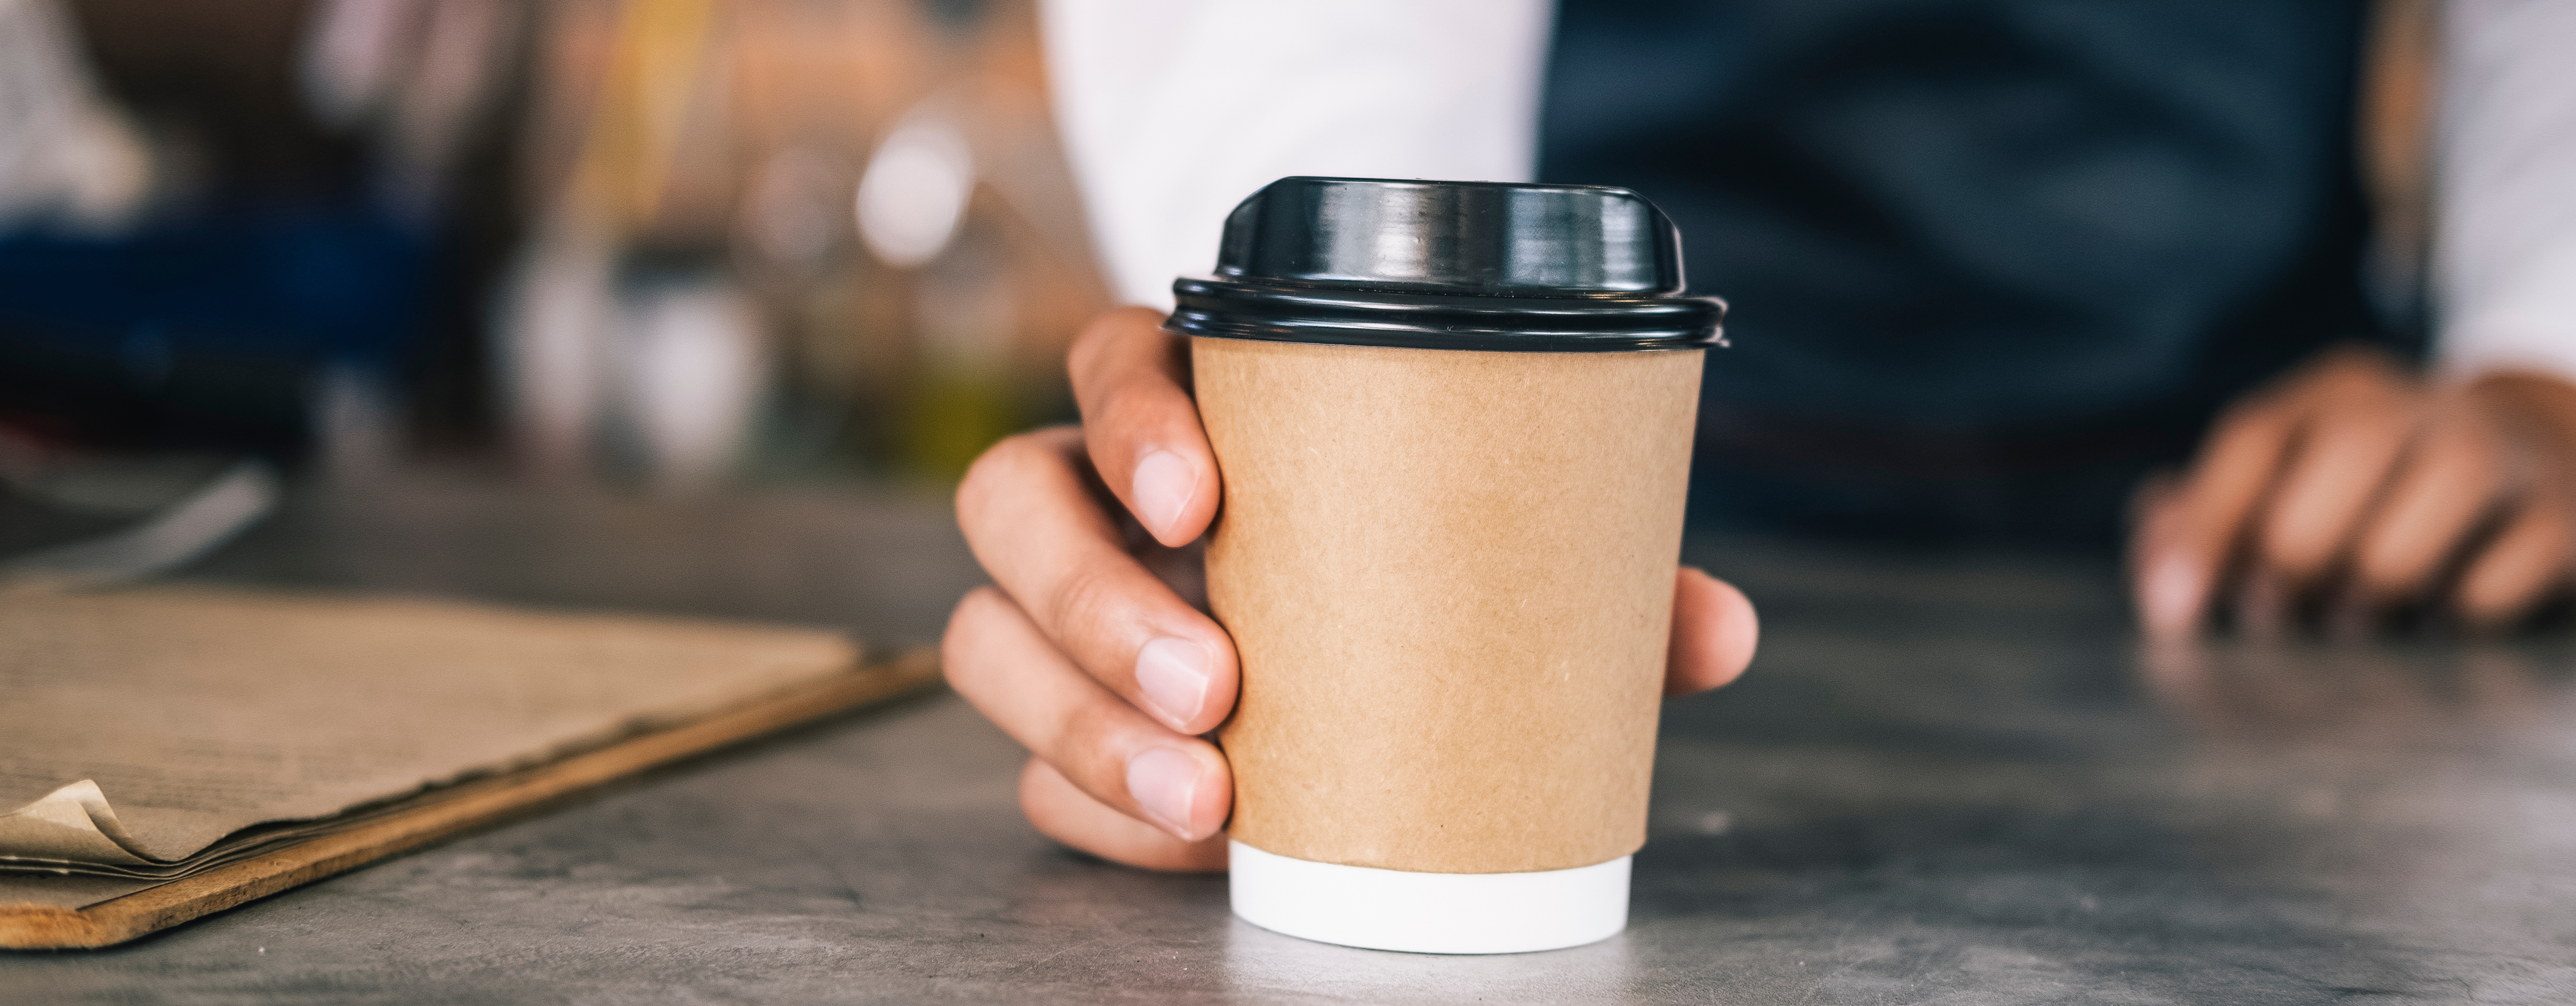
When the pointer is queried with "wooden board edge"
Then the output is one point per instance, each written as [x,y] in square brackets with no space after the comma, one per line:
[44,927]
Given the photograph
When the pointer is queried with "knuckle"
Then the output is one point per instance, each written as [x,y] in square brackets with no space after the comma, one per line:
[1045,805]
[1081,359]
[1087,598]
[975,607]
[2491,600]
[976,488]
[2360,365]
[2250,409]
[2389,568]
[1085,747]
[2247,422]
[970,626]
[2291,546]
[1082,743]
[2480,474]
[1095,346]
[999,473]
[1048,818]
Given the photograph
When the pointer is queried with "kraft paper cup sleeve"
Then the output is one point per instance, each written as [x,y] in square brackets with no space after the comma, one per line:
[1449,575]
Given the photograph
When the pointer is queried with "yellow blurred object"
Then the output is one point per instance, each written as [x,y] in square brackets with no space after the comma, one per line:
[744,140]
[642,110]
[950,416]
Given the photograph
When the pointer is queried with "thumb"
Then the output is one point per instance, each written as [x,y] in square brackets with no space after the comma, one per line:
[1714,634]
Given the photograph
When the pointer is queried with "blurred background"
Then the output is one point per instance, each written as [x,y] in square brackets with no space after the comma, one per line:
[661,246]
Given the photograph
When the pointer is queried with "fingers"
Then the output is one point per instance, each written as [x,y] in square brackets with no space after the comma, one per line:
[1131,379]
[2291,478]
[2164,581]
[1062,811]
[1714,634]
[2352,468]
[2185,543]
[1029,513]
[2449,484]
[996,657]
[2528,559]
[2349,446]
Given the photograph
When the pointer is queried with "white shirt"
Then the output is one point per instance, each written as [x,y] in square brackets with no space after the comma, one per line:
[2504,245]
[1174,110]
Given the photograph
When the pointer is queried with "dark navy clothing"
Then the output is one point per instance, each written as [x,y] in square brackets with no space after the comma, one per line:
[1990,260]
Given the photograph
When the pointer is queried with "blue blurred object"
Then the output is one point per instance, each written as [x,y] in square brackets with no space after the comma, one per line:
[205,328]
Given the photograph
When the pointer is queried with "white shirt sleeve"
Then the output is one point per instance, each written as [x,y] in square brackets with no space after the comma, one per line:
[1172,111]
[2504,253]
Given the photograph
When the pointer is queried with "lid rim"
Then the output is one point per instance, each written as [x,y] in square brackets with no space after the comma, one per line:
[1348,316]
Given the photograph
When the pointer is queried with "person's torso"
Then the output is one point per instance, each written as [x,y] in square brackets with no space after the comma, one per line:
[1989,259]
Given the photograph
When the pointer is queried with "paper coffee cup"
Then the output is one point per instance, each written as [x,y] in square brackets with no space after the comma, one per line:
[1454,424]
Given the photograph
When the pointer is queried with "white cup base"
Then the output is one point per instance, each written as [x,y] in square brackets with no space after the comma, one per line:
[1430,913]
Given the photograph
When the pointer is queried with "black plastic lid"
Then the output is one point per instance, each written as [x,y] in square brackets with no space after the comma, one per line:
[1449,265]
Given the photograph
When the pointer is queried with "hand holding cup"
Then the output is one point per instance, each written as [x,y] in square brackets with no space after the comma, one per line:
[1093,650]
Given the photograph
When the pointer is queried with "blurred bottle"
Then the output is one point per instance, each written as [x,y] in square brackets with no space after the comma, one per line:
[625,346]
[912,210]
[68,158]
[871,187]
[968,201]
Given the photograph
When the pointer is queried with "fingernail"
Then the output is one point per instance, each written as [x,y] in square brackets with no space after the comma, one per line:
[1165,782]
[2170,595]
[1173,674]
[1162,488]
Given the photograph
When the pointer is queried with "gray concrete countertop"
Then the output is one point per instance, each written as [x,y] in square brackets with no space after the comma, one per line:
[1947,779]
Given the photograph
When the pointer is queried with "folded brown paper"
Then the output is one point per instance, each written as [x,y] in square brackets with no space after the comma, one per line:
[174,751]
[201,711]
[1449,574]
